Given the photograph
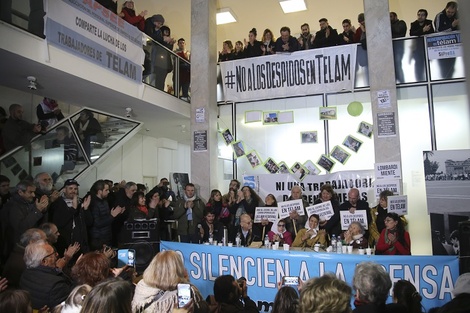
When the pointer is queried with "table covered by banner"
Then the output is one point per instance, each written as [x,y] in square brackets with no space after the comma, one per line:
[433,276]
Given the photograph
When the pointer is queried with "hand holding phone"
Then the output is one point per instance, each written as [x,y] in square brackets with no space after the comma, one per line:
[290,280]
[184,294]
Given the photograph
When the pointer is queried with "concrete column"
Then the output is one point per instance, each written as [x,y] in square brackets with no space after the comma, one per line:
[382,78]
[464,11]
[203,95]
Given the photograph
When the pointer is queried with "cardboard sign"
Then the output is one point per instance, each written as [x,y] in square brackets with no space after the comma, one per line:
[347,218]
[269,213]
[398,204]
[284,208]
[324,210]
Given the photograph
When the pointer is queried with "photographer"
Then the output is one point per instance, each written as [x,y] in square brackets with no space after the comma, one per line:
[232,295]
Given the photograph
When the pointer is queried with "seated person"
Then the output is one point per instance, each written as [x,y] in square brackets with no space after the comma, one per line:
[282,235]
[246,231]
[44,282]
[209,226]
[311,235]
[354,236]
[394,239]
[229,293]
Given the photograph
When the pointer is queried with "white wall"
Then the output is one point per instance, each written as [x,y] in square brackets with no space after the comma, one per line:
[140,156]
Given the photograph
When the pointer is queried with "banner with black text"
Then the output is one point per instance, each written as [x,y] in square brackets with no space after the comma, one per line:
[315,71]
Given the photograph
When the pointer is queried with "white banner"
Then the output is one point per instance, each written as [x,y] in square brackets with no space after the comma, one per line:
[281,184]
[288,206]
[97,35]
[325,70]
[347,218]
[324,210]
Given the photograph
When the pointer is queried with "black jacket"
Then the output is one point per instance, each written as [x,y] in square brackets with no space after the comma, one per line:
[46,286]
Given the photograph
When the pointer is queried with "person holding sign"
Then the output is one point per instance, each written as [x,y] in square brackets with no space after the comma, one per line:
[354,236]
[378,215]
[265,225]
[332,225]
[296,222]
[282,235]
[308,237]
[394,239]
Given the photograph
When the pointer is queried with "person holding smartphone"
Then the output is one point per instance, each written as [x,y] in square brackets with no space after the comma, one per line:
[231,295]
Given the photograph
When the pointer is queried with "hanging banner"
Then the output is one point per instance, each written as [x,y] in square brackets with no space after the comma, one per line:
[326,70]
[281,184]
[91,32]
[433,276]
[444,45]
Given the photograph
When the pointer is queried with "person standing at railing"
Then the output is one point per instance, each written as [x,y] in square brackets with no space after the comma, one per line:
[398,28]
[18,132]
[128,14]
[327,36]
[446,21]
[286,43]
[184,71]
[422,26]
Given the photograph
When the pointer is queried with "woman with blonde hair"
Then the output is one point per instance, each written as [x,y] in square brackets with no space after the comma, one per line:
[157,291]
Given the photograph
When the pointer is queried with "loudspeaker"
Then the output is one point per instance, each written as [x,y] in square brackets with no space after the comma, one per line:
[140,230]
[144,238]
[464,241]
[144,253]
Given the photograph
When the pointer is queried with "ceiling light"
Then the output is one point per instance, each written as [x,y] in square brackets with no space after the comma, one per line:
[225,16]
[289,6]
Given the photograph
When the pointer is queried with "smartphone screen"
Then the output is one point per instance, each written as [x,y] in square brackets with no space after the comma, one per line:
[126,257]
[290,280]
[184,294]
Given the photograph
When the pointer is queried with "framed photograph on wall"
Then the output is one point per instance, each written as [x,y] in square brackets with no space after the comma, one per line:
[365,129]
[352,143]
[253,116]
[325,162]
[312,168]
[340,154]
[327,113]
[253,158]
[299,171]
[227,135]
[309,137]
[283,168]
[238,149]
[270,117]
[271,166]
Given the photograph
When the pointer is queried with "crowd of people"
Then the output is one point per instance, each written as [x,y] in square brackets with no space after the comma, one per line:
[327,36]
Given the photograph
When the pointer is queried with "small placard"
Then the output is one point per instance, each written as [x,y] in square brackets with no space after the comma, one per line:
[393,185]
[388,170]
[286,207]
[398,204]
[324,210]
[347,218]
[269,213]
[200,140]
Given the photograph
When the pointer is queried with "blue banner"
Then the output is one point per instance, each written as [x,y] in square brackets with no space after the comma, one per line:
[433,276]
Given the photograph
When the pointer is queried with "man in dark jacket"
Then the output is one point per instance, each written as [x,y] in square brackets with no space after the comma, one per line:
[45,283]
[18,132]
[326,36]
[445,21]
[286,43]
[21,212]
[71,218]
[101,228]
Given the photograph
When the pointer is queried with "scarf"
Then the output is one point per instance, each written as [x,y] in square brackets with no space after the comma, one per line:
[143,209]
[388,241]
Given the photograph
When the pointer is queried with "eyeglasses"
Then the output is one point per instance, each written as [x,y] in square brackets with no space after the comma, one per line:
[50,254]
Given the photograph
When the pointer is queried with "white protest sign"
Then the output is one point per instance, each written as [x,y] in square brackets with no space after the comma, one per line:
[388,170]
[398,204]
[347,218]
[324,210]
[393,185]
[269,213]
[284,208]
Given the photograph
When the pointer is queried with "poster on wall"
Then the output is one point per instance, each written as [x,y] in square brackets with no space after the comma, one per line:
[178,181]
[447,179]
